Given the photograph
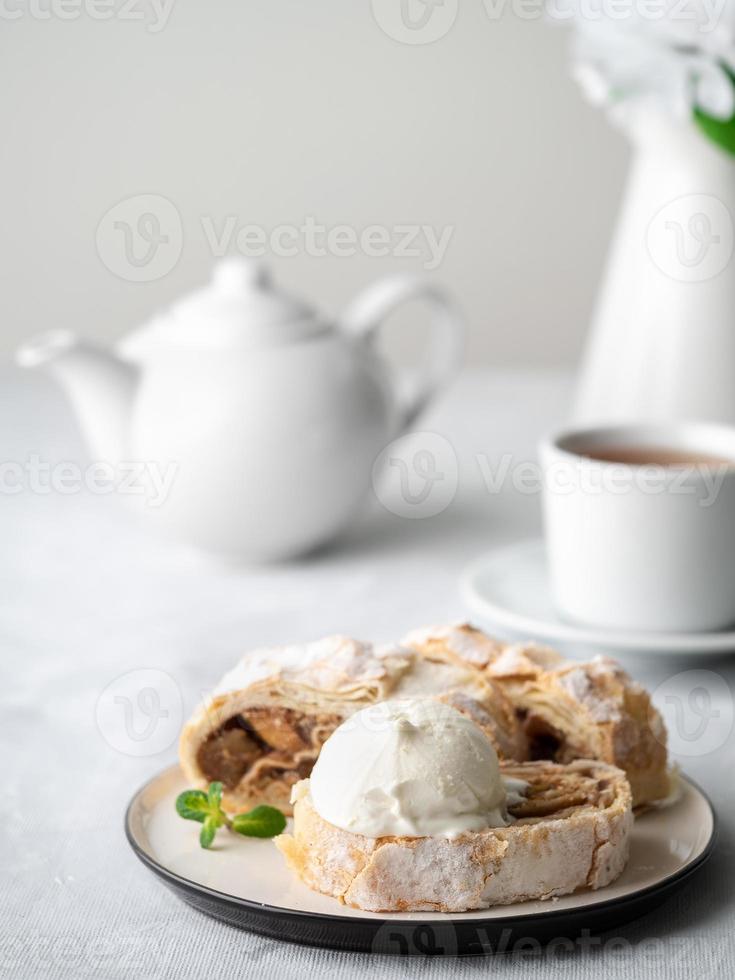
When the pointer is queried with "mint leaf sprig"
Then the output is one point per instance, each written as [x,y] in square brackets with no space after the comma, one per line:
[206,809]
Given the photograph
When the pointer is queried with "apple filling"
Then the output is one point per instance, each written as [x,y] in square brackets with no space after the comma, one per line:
[554,791]
[284,741]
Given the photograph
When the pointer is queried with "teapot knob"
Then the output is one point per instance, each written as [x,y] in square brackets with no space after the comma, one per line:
[238,275]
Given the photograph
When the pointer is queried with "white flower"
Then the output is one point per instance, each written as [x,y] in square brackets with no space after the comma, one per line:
[664,52]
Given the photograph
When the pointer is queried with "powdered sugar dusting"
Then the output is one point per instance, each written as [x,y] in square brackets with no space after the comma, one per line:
[578,684]
[333,662]
[460,639]
[525,659]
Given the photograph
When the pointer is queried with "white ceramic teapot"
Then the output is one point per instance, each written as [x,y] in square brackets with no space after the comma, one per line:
[271,415]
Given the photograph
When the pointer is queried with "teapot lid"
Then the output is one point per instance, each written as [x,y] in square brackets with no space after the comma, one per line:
[240,308]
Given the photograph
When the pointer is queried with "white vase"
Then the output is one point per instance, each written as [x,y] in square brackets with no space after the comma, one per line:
[662,343]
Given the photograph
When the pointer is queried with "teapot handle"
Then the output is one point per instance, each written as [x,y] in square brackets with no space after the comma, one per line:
[365,315]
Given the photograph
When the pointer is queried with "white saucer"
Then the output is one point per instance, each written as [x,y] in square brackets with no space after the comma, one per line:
[508,589]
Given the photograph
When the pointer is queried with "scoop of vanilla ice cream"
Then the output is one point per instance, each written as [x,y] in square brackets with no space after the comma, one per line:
[409,768]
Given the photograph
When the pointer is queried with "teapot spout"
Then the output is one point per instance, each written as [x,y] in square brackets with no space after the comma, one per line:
[99,385]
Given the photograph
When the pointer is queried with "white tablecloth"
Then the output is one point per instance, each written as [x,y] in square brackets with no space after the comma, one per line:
[88,601]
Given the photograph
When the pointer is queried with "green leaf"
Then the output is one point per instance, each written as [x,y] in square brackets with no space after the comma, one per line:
[215,795]
[263,821]
[193,804]
[719,131]
[209,829]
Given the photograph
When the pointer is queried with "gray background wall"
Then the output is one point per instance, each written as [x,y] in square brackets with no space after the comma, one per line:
[271,111]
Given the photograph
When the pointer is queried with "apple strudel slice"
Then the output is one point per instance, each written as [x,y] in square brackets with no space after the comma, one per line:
[262,728]
[568,709]
[571,830]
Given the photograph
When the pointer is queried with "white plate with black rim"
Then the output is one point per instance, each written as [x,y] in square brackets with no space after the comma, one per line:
[245,883]
[508,589]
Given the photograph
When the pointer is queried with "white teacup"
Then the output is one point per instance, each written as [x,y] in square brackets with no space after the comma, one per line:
[647,543]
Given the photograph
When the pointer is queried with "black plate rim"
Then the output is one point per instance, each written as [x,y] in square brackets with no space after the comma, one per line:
[297,915]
